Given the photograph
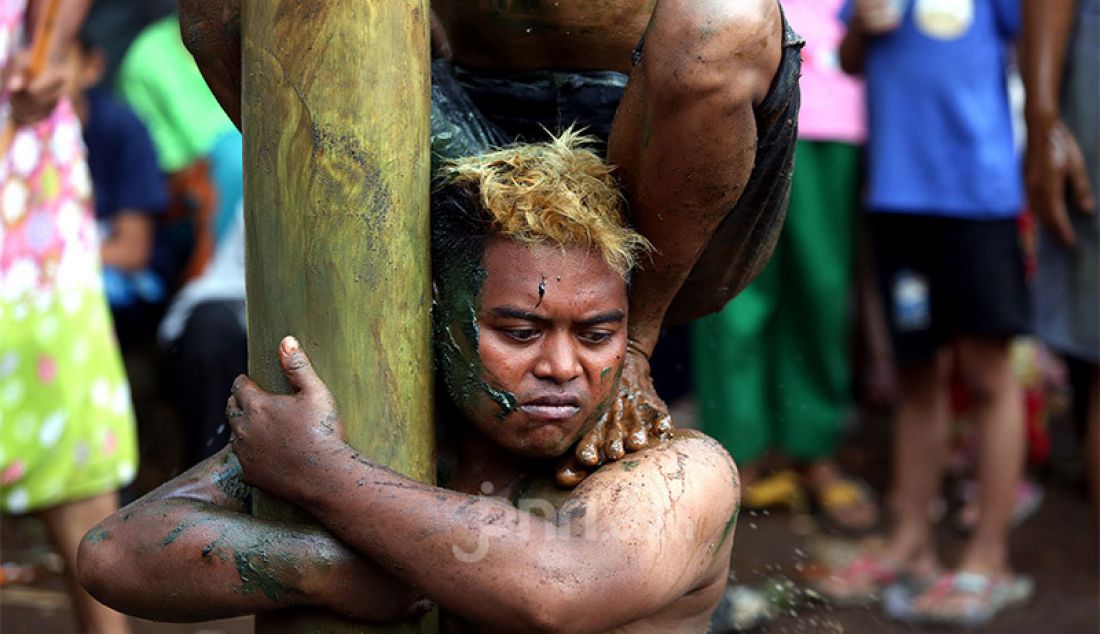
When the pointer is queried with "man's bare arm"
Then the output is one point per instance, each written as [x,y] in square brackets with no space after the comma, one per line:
[684,142]
[632,538]
[852,48]
[684,137]
[189,551]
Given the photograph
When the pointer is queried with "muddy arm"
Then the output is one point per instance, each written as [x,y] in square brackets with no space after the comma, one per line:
[633,538]
[189,551]
[684,137]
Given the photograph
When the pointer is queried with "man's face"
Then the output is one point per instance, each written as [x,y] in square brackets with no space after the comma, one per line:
[552,334]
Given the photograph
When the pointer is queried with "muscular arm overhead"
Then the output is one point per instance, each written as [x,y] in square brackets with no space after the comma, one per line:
[189,551]
[685,135]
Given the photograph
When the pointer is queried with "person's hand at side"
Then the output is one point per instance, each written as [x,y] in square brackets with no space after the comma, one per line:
[1055,173]
[33,96]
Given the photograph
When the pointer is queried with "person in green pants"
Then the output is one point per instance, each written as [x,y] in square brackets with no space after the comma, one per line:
[772,369]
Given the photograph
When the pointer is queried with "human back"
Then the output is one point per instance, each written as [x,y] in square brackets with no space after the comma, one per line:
[544,34]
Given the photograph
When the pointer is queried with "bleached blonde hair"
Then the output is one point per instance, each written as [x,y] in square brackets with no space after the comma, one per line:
[557,192]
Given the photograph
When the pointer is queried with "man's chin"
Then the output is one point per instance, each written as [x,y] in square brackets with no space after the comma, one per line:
[546,442]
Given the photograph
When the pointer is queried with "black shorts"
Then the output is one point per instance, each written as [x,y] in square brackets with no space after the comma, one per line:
[940,278]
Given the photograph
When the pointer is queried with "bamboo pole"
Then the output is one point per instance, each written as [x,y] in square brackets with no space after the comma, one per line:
[336,122]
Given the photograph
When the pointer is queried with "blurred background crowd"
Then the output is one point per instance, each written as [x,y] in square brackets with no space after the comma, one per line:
[910,388]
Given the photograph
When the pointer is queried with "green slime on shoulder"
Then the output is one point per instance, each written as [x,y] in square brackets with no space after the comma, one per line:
[96,536]
[731,524]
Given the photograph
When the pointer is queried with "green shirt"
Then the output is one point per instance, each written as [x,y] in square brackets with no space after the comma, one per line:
[162,83]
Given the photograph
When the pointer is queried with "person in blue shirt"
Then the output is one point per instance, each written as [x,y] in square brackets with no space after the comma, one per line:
[129,191]
[944,192]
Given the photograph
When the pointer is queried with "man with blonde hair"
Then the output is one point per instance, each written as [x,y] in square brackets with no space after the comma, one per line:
[531,259]
[697,101]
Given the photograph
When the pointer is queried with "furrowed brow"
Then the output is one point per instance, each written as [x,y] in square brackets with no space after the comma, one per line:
[511,312]
[610,317]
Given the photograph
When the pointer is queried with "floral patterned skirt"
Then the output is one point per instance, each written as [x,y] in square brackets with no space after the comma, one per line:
[66,421]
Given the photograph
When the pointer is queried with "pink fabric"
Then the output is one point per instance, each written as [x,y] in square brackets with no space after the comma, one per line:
[833,104]
[47,229]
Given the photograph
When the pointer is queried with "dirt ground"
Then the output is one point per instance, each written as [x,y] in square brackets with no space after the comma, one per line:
[1057,547]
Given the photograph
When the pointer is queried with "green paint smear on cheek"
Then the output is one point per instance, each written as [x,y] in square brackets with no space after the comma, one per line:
[604,404]
[457,355]
[612,392]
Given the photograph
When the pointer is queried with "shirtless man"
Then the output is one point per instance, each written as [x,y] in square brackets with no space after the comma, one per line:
[530,327]
[703,138]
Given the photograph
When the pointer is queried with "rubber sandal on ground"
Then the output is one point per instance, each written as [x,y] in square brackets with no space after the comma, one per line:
[859,582]
[780,489]
[963,599]
[844,494]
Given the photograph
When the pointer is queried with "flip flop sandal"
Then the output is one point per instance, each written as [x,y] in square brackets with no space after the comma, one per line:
[845,492]
[984,598]
[867,572]
[780,489]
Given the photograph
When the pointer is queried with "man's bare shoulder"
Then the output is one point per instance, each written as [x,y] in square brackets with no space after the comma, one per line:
[684,446]
[669,511]
[690,472]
